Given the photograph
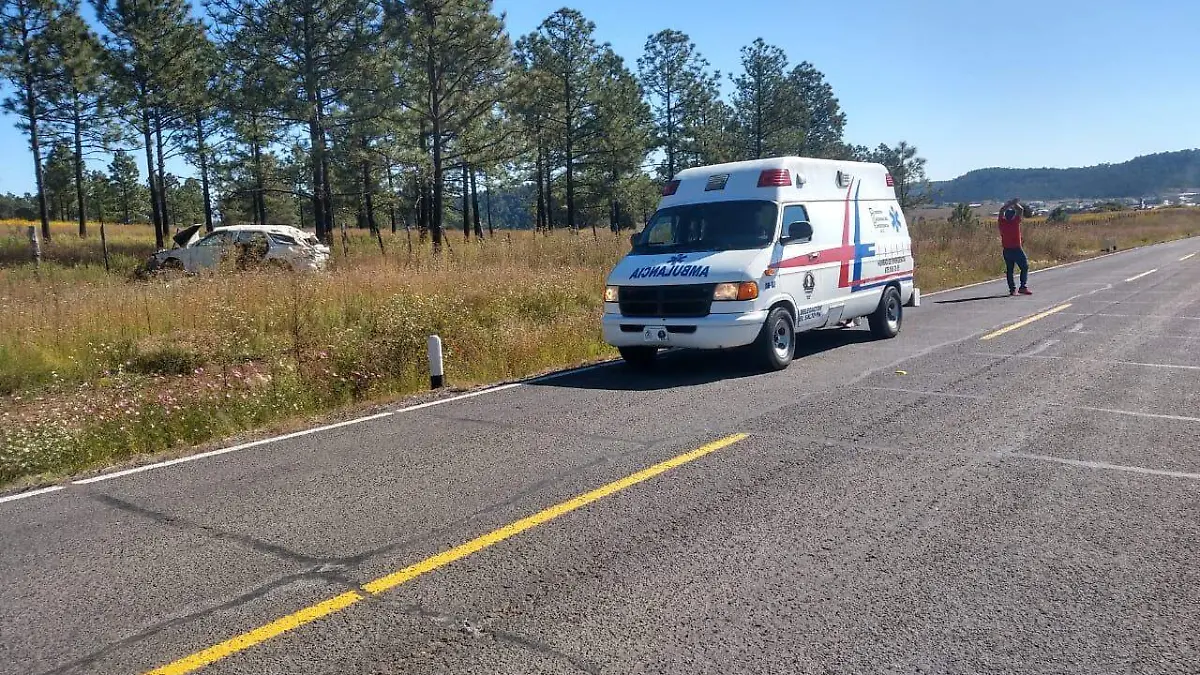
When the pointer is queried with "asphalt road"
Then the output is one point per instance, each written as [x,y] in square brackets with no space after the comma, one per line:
[956,500]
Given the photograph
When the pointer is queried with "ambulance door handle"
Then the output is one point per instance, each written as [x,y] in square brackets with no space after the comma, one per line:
[814,255]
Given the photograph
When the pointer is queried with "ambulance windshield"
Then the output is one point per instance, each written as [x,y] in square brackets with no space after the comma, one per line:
[712,226]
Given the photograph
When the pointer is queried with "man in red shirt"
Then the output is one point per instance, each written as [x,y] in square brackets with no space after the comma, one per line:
[1010,239]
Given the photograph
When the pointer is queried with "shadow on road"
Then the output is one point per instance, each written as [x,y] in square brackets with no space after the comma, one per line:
[976,298]
[690,368]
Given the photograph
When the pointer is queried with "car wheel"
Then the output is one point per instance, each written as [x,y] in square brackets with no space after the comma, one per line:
[776,343]
[888,317]
[639,358]
[171,265]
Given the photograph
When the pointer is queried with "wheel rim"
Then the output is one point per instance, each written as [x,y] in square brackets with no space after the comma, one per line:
[892,312]
[781,339]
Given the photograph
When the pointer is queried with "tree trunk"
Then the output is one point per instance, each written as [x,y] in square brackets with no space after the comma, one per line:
[549,194]
[670,135]
[31,114]
[392,201]
[435,110]
[162,175]
[488,197]
[202,151]
[368,200]
[39,178]
[475,207]
[327,193]
[541,190]
[569,149]
[423,189]
[466,201]
[148,137]
[259,200]
[80,195]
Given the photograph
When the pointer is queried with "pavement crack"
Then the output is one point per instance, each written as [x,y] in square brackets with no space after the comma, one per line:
[207,530]
[477,629]
[183,619]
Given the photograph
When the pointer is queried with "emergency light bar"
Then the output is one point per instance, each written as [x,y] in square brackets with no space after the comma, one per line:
[670,188]
[775,178]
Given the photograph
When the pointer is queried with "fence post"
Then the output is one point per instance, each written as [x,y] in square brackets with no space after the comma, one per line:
[436,367]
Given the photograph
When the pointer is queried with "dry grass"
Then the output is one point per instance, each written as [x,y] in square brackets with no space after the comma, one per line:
[97,367]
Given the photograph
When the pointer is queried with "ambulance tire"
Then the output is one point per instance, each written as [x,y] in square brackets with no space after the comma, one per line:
[776,343]
[639,358]
[888,317]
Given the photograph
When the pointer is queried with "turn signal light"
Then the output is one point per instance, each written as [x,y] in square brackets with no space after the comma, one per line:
[746,290]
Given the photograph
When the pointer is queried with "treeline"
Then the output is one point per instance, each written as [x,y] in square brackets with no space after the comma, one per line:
[386,113]
[1145,176]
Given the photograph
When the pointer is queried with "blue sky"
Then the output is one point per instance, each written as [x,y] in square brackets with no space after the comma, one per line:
[972,83]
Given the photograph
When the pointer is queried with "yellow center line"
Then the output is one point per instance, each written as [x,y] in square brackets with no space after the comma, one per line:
[1024,322]
[335,604]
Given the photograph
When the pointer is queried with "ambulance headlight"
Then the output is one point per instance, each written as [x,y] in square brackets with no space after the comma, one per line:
[612,293]
[745,290]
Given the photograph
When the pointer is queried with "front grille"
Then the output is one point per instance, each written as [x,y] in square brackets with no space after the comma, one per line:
[685,301]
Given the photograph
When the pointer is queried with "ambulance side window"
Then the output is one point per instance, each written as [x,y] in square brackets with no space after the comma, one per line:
[791,214]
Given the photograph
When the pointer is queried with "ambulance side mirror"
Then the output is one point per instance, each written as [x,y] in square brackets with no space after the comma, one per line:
[634,239]
[799,232]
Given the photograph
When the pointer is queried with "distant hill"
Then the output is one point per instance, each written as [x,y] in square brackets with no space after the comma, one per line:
[1144,176]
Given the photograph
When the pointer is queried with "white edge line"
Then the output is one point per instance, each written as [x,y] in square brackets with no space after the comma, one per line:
[1143,274]
[1038,271]
[232,448]
[315,430]
[1104,465]
[30,493]
[1190,255]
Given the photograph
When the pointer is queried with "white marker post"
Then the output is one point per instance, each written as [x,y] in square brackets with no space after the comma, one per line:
[436,367]
[35,244]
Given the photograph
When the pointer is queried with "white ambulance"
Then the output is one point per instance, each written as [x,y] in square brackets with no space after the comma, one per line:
[751,253]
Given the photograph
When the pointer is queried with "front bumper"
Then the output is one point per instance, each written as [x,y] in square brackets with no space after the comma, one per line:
[715,331]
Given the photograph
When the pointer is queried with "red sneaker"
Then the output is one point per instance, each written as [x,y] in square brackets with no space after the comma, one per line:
[1025,291]
[1013,292]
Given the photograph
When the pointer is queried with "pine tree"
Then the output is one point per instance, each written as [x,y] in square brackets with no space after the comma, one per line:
[76,98]
[59,181]
[26,62]
[565,51]
[623,124]
[908,173]
[152,45]
[124,179]
[823,116]
[769,119]
[678,84]
[459,64]
[311,47]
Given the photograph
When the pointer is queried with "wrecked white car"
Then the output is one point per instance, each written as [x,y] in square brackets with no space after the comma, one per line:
[241,247]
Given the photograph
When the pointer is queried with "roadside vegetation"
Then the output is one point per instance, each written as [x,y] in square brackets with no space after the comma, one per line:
[99,367]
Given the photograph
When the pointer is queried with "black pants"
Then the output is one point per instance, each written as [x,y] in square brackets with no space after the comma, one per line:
[1016,256]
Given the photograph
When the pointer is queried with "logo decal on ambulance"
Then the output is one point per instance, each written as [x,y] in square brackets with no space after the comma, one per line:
[810,283]
[895,218]
[672,268]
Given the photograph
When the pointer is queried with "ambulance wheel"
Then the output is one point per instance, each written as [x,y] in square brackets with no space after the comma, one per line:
[887,318]
[639,358]
[776,344]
